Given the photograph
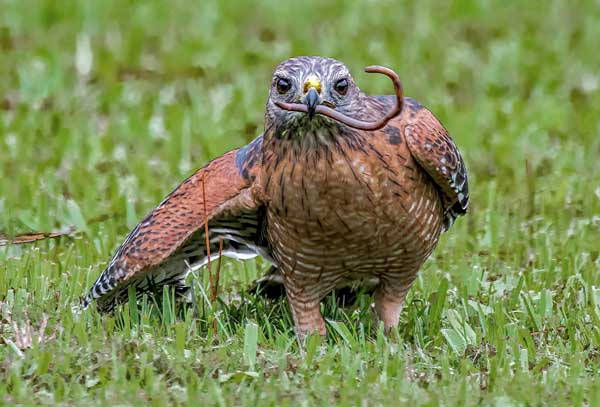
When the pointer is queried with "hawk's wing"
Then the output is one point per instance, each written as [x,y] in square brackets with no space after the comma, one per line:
[431,146]
[170,241]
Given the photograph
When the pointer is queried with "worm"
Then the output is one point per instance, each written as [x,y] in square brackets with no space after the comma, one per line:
[349,121]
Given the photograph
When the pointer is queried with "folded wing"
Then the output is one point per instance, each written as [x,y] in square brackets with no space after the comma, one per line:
[170,241]
[431,146]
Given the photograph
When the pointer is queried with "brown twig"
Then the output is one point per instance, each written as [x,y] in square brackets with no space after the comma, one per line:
[34,237]
[349,121]
[206,236]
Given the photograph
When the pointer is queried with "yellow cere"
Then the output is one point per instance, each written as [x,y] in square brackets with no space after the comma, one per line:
[312,82]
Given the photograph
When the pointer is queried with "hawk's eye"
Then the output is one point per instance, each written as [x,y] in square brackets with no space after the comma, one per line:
[283,85]
[341,86]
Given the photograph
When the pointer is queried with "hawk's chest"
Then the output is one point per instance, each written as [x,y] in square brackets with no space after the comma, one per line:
[340,188]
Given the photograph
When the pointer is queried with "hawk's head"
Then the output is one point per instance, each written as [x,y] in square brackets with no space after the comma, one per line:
[308,92]
[311,81]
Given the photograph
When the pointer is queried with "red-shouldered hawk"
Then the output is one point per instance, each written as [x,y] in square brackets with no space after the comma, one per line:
[341,186]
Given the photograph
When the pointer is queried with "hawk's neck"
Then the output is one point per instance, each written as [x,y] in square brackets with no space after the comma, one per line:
[310,137]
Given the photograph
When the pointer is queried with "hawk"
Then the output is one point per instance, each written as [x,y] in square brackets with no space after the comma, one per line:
[341,186]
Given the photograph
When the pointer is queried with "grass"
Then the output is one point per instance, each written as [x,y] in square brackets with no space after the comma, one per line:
[107,106]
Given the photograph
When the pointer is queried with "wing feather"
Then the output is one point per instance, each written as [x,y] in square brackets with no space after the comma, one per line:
[169,242]
[435,151]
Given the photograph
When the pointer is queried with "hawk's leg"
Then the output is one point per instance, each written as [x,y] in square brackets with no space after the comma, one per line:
[389,300]
[307,317]
[305,304]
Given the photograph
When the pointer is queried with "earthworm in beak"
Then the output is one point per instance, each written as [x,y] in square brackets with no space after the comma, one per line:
[349,121]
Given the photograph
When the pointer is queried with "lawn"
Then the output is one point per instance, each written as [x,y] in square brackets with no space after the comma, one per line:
[105,106]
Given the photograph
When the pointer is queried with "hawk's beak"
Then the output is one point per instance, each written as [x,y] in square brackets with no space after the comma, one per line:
[312,90]
[312,100]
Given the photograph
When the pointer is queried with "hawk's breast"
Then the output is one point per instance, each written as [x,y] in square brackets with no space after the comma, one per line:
[340,207]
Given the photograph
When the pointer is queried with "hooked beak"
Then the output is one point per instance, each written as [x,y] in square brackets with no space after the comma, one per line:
[311,100]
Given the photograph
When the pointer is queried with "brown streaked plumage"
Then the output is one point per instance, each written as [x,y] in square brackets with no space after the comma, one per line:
[324,201]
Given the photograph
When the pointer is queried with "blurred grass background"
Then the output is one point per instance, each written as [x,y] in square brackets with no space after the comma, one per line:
[106,106]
